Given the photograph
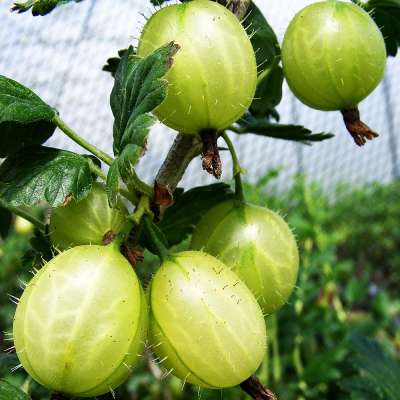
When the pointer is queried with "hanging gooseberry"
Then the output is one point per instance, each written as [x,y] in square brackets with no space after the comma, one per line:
[213,78]
[81,322]
[206,326]
[257,244]
[333,57]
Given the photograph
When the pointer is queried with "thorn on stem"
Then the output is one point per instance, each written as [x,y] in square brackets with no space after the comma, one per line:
[254,388]
[210,155]
[358,129]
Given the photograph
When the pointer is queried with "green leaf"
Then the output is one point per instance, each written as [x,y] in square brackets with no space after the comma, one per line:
[10,392]
[148,242]
[7,361]
[139,88]
[268,54]
[377,367]
[181,218]
[112,63]
[379,374]
[362,387]
[40,7]
[113,183]
[262,127]
[268,93]
[25,119]
[386,14]
[5,222]
[38,174]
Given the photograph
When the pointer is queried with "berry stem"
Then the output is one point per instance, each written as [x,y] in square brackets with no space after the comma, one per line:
[360,131]
[154,238]
[82,142]
[24,214]
[254,388]
[237,169]
[210,154]
[142,208]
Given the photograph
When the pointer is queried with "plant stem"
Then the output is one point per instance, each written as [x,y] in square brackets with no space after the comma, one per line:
[98,171]
[24,214]
[237,169]
[142,208]
[153,237]
[82,142]
[140,185]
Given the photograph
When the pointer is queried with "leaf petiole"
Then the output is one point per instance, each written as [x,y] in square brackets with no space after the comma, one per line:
[237,169]
[82,142]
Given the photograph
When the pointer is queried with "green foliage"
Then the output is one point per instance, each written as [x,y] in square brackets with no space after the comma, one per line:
[5,222]
[180,219]
[10,392]
[40,7]
[112,63]
[267,50]
[386,14]
[263,127]
[25,119]
[138,89]
[38,174]
[379,374]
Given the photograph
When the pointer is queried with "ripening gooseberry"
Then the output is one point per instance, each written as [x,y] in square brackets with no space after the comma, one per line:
[22,226]
[257,244]
[213,78]
[86,221]
[333,55]
[81,322]
[206,325]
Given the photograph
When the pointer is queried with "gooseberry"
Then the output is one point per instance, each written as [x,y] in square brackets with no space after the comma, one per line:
[86,221]
[214,74]
[81,322]
[257,244]
[22,226]
[333,55]
[206,326]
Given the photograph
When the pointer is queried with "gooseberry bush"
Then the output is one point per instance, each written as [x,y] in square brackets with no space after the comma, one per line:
[203,68]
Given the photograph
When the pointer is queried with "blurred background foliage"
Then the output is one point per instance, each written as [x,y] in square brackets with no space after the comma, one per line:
[318,343]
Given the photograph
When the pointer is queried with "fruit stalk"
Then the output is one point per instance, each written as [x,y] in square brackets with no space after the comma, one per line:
[256,390]
[358,129]
[237,169]
[210,154]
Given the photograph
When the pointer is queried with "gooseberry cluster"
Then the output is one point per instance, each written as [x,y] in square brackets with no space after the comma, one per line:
[84,318]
